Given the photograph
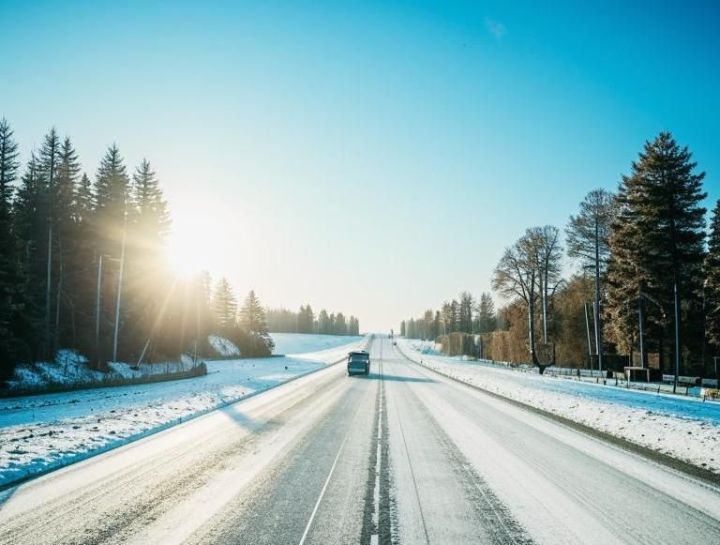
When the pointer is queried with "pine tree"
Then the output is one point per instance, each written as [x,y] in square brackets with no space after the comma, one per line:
[112,199]
[30,227]
[340,324]
[465,311]
[224,305]
[147,270]
[712,282]
[65,253]
[254,324]
[486,317]
[588,240]
[9,274]
[324,324]
[49,160]
[657,249]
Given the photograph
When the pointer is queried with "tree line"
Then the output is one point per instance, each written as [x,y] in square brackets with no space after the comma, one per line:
[305,321]
[646,290]
[83,265]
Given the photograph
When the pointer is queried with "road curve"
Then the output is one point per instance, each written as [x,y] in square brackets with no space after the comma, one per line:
[401,456]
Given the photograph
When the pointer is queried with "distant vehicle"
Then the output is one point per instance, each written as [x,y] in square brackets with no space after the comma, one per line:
[358,363]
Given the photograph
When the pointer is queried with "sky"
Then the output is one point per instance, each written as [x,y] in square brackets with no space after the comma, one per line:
[368,157]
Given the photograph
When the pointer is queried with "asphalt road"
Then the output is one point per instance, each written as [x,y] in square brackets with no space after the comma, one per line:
[401,456]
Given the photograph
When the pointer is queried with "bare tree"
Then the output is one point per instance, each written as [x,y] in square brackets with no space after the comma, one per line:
[530,271]
[516,278]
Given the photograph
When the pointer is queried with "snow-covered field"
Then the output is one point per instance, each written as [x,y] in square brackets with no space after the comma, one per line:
[685,428]
[299,343]
[51,430]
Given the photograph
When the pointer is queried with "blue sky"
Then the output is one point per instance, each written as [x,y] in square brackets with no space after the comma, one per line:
[370,157]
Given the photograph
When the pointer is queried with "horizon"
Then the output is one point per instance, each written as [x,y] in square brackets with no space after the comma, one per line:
[303,146]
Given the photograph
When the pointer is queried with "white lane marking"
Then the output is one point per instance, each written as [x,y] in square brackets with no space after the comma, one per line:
[378,469]
[327,482]
[322,492]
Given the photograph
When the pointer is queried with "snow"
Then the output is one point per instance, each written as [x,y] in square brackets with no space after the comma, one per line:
[72,369]
[299,343]
[43,432]
[224,347]
[682,427]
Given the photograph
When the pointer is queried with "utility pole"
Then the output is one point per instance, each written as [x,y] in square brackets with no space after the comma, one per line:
[677,335]
[596,307]
[641,320]
[587,328]
[97,310]
[119,289]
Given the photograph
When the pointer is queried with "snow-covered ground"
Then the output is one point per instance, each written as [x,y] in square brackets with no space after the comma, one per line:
[51,430]
[685,428]
[71,369]
[223,346]
[300,343]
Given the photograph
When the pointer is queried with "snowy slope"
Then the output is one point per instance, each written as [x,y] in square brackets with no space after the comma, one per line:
[301,343]
[46,431]
[685,428]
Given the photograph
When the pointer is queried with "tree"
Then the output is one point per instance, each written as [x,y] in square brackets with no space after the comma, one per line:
[305,319]
[254,324]
[30,228]
[486,318]
[9,274]
[712,282]
[657,249]
[516,277]
[402,329]
[465,312]
[324,323]
[340,324]
[48,166]
[224,305]
[548,255]
[112,200]
[147,268]
[66,251]
[588,241]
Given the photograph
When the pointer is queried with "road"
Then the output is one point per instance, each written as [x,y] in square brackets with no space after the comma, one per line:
[401,456]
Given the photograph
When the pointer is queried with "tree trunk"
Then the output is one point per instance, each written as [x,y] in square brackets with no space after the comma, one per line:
[531,331]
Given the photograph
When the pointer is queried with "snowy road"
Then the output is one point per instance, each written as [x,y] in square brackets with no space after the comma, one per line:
[401,456]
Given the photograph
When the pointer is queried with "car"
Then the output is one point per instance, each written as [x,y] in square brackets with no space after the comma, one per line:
[358,362]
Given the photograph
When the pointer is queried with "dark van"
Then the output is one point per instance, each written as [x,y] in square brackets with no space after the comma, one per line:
[358,363]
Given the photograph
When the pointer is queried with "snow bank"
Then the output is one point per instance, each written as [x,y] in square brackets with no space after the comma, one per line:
[224,347]
[301,343]
[684,428]
[72,369]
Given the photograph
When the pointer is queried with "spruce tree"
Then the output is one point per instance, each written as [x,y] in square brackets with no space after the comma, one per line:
[112,196]
[712,282]
[254,325]
[147,269]
[9,277]
[65,254]
[30,228]
[657,249]
[49,160]
[224,306]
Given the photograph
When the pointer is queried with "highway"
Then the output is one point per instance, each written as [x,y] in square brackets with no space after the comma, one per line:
[403,456]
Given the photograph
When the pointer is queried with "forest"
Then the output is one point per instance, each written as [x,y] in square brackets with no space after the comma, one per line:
[305,321]
[634,281]
[83,265]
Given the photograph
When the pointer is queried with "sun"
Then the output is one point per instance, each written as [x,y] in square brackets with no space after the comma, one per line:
[187,252]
